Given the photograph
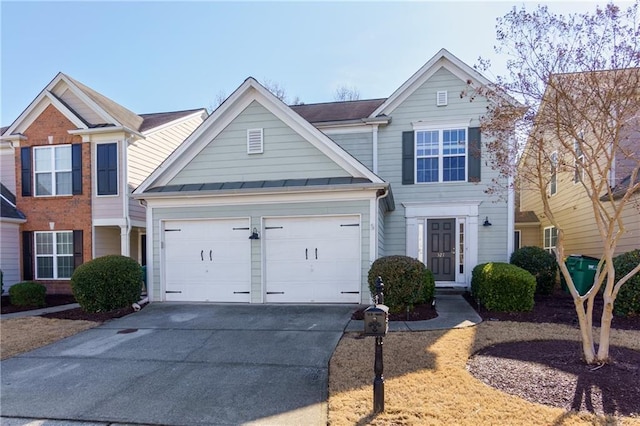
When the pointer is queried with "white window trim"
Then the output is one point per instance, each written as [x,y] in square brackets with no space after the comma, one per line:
[95,170]
[54,254]
[553,176]
[544,236]
[440,128]
[52,171]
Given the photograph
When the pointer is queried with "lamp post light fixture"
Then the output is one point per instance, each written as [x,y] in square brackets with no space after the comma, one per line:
[376,323]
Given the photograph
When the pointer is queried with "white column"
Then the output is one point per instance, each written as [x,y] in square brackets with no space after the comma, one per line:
[125,245]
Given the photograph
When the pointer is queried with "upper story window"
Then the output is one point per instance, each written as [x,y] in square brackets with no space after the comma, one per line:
[54,255]
[553,178]
[107,168]
[441,155]
[52,170]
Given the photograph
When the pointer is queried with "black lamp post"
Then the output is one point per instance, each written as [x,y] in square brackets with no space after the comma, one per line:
[378,367]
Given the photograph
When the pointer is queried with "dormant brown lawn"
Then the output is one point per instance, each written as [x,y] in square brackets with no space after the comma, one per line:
[20,335]
[426,381]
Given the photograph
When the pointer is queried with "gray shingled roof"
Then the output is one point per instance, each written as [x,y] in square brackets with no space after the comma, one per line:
[8,204]
[527,216]
[159,118]
[282,183]
[337,111]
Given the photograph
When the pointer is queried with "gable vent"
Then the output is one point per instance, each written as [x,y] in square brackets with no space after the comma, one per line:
[254,141]
[441,98]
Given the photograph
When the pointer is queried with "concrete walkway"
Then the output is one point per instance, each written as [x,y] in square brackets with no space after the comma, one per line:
[36,312]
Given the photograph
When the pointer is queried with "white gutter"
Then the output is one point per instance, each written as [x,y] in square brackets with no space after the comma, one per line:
[378,198]
[108,129]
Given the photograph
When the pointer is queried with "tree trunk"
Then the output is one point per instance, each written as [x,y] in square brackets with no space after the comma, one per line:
[588,348]
[605,330]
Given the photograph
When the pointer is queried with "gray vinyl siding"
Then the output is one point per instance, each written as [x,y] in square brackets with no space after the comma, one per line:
[421,106]
[256,213]
[287,155]
[359,145]
[381,231]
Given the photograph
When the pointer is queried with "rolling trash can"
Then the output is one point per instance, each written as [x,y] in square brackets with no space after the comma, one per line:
[582,270]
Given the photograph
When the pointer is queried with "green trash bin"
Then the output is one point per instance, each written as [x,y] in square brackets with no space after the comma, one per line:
[582,270]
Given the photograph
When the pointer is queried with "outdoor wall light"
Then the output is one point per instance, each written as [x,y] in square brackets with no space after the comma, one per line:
[486,221]
[254,235]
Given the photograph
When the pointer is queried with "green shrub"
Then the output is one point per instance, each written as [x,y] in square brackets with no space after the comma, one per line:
[541,264]
[28,293]
[503,287]
[628,300]
[107,283]
[407,282]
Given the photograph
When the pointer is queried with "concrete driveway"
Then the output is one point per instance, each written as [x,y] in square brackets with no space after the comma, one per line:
[184,364]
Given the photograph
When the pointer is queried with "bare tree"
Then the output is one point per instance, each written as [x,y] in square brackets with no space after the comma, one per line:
[276,89]
[578,79]
[221,96]
[344,93]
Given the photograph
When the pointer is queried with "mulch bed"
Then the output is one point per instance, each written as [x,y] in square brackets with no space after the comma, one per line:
[420,312]
[552,372]
[70,314]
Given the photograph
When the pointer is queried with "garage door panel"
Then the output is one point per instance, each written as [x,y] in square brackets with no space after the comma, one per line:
[313,259]
[208,260]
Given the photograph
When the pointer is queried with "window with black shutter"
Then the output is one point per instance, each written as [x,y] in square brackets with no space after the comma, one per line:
[107,168]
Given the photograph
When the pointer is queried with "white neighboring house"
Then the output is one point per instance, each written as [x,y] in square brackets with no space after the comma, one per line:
[269,203]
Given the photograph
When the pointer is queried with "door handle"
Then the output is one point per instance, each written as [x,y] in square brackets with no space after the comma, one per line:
[306,254]
[316,253]
[202,255]
[210,255]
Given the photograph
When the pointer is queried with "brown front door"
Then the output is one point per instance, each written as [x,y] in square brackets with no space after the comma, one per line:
[441,256]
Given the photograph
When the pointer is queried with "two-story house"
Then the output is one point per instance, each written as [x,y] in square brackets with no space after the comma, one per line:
[562,175]
[76,157]
[267,203]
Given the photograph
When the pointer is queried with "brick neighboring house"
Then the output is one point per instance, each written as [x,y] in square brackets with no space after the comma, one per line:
[77,156]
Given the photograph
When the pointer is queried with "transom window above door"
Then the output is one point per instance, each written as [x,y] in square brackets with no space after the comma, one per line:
[441,155]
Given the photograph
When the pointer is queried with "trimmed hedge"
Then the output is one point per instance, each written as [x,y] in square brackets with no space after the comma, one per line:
[541,264]
[107,283]
[407,282]
[627,302]
[503,287]
[28,293]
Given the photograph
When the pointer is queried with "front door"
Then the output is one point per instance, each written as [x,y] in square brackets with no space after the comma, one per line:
[441,243]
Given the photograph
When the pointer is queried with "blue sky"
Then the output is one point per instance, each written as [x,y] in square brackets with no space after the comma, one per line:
[166,56]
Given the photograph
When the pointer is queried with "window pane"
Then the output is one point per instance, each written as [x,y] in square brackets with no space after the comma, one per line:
[64,243]
[43,184]
[44,266]
[554,236]
[43,159]
[44,243]
[63,183]
[453,169]
[427,170]
[454,141]
[65,266]
[427,143]
[63,157]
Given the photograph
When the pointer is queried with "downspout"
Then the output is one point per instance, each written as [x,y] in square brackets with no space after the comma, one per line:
[510,206]
[126,245]
[374,132]
[378,198]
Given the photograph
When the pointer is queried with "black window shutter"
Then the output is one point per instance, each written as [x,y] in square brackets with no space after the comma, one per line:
[475,154]
[27,255]
[408,158]
[76,168]
[77,249]
[107,169]
[25,169]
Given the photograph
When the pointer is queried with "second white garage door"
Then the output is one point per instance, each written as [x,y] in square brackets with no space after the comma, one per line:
[313,259]
[207,260]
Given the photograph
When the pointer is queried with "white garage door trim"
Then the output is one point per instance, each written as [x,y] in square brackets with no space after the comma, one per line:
[317,259]
[206,260]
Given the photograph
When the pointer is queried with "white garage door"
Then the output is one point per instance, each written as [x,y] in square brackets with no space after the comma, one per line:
[313,259]
[207,260]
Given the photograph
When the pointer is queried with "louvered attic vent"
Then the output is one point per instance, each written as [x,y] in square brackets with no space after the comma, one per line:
[254,141]
[441,98]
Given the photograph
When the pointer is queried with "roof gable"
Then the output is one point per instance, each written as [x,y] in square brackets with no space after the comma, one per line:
[251,91]
[441,59]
